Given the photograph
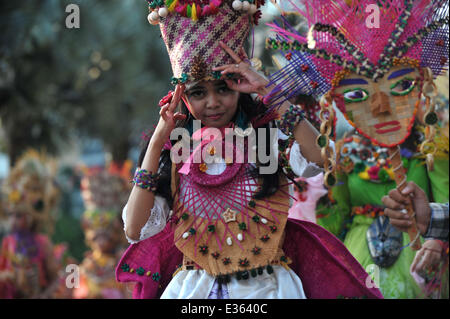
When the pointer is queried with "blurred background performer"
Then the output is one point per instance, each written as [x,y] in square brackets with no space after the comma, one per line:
[28,260]
[104,194]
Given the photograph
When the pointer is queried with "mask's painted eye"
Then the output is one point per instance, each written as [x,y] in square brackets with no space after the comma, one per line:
[355,95]
[403,86]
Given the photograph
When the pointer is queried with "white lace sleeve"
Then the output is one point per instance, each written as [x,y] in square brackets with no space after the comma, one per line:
[299,164]
[156,222]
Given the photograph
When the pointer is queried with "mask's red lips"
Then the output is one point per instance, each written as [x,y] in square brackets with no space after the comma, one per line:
[392,127]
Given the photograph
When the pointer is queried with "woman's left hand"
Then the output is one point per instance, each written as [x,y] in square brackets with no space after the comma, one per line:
[427,257]
[250,82]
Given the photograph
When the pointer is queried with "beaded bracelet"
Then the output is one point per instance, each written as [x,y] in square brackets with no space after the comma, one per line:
[290,119]
[146,180]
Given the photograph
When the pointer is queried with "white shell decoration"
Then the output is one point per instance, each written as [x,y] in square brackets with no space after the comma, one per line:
[245,6]
[163,12]
[185,235]
[154,15]
[153,18]
[264,221]
[237,5]
[240,237]
[229,241]
[253,9]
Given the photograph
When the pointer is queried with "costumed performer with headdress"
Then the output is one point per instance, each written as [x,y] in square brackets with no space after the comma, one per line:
[224,221]
[377,76]
[104,195]
[28,268]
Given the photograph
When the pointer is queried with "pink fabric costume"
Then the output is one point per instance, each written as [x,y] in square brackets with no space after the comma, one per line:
[326,267]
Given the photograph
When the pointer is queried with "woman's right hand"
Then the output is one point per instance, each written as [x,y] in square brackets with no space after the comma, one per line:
[168,118]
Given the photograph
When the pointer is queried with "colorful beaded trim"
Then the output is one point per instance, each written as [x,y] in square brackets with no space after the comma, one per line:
[371,162]
[320,53]
[284,148]
[244,274]
[364,66]
[368,210]
[215,75]
[293,116]
[141,272]
[146,180]
[196,9]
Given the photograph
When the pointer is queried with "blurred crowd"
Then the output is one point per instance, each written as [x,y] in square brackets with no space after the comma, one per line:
[49,253]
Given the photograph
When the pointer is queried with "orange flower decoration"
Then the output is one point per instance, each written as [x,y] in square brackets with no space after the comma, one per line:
[203,167]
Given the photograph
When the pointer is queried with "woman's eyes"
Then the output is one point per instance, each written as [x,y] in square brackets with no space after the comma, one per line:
[223,89]
[402,87]
[355,95]
[196,93]
[202,93]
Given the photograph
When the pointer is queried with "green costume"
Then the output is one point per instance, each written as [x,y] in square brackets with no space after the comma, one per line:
[364,177]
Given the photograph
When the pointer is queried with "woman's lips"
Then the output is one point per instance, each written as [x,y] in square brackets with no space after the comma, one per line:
[392,127]
[215,116]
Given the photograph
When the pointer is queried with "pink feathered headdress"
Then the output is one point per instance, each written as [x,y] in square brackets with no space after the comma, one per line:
[365,37]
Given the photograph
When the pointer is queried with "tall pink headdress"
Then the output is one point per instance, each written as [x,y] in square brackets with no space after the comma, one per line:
[192,29]
[342,36]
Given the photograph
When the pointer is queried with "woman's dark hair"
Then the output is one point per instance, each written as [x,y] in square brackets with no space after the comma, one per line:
[252,109]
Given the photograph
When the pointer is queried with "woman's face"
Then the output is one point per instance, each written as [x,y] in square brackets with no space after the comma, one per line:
[212,102]
[383,110]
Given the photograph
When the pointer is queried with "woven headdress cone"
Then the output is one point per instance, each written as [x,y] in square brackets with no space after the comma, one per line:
[103,191]
[104,195]
[193,46]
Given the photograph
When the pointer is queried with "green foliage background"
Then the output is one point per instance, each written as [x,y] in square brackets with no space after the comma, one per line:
[56,83]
